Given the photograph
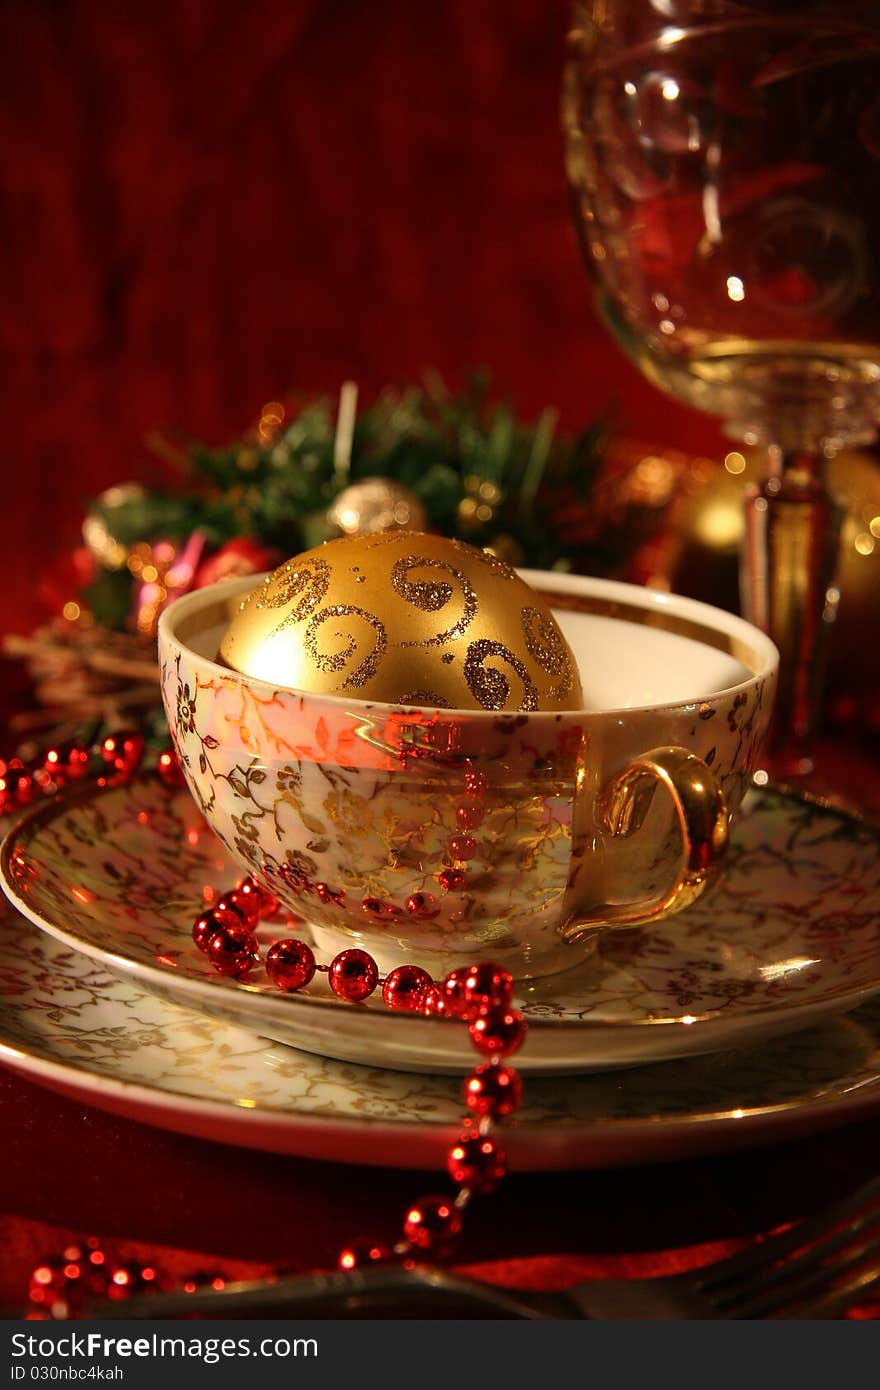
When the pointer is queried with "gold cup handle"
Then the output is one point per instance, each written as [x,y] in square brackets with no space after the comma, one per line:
[620,810]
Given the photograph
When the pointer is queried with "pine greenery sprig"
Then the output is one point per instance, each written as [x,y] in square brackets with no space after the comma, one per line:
[538,486]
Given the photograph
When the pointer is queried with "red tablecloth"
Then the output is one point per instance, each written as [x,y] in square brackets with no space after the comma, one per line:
[69,1168]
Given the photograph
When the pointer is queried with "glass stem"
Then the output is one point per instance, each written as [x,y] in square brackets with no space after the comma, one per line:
[792,540]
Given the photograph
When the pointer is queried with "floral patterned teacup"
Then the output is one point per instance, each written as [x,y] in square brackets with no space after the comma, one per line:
[432,836]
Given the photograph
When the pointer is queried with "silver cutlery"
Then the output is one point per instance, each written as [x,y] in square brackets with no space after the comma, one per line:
[817,1268]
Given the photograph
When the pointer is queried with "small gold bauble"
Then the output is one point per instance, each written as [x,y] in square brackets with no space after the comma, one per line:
[373,506]
[405,618]
[97,530]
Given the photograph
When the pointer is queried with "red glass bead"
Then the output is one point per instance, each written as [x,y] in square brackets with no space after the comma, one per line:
[122,752]
[498,1033]
[52,1290]
[453,990]
[471,990]
[60,1285]
[264,900]
[228,911]
[207,926]
[377,907]
[168,769]
[353,975]
[486,986]
[233,949]
[469,813]
[16,785]
[462,847]
[244,905]
[290,964]
[404,987]
[204,1279]
[68,762]
[328,895]
[424,906]
[129,1278]
[477,1163]
[452,880]
[493,1090]
[432,1223]
[475,783]
[363,1252]
[432,1003]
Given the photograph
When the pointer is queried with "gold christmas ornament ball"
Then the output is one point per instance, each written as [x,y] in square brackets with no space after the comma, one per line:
[98,534]
[373,506]
[405,618]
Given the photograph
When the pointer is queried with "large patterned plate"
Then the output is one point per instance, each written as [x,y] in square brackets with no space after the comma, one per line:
[792,933]
[69,1024]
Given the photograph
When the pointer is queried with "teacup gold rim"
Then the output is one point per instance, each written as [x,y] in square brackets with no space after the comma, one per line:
[687,618]
[209,988]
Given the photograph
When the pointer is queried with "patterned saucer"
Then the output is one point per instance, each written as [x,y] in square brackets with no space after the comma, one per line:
[68,1024]
[791,933]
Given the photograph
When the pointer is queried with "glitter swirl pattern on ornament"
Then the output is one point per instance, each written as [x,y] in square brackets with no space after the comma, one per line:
[442,620]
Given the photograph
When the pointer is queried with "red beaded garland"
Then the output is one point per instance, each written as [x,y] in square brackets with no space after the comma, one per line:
[204,1279]
[453,990]
[424,906]
[493,1090]
[290,964]
[66,763]
[432,1223]
[474,989]
[403,988]
[475,782]
[432,1003]
[122,752]
[486,986]
[477,1163]
[452,880]
[232,950]
[168,769]
[207,926]
[462,847]
[228,912]
[16,785]
[128,1278]
[498,1033]
[353,975]
[244,905]
[53,1290]
[328,895]
[377,907]
[358,1253]
[264,900]
[480,993]
[469,813]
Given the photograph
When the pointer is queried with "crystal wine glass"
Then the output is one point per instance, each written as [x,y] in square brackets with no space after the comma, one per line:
[724,163]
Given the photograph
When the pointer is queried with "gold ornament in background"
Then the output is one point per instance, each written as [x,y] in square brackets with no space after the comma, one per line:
[477,508]
[405,618]
[97,528]
[373,506]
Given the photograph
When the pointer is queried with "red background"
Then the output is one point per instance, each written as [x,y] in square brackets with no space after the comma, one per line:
[205,203]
